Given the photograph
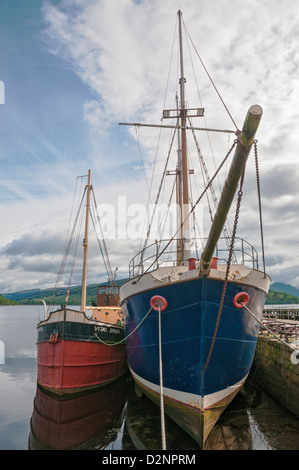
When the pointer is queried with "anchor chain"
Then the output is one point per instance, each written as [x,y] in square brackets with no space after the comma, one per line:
[231,250]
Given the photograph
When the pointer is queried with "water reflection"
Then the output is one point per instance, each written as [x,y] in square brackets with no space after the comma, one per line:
[89,421]
[143,428]
[114,418]
[272,426]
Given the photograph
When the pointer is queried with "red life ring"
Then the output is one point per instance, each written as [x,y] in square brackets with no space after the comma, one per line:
[157,302]
[241,297]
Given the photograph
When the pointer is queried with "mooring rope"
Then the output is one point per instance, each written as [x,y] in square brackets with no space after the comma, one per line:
[264,326]
[123,340]
[161,386]
[162,414]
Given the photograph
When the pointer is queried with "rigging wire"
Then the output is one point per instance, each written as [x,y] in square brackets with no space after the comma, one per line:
[100,246]
[201,104]
[195,223]
[191,211]
[161,231]
[102,243]
[71,215]
[158,193]
[159,137]
[71,244]
[214,197]
[226,228]
[259,203]
[210,78]
[103,246]
[142,161]
[75,249]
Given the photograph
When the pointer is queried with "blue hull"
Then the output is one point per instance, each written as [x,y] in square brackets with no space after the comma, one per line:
[188,326]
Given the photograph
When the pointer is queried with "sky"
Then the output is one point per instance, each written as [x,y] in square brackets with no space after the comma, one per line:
[71,71]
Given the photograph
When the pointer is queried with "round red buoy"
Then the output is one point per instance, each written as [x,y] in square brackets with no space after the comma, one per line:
[157,301]
[241,297]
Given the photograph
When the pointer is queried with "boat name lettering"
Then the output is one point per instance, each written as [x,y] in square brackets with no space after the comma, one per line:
[101,328]
[114,330]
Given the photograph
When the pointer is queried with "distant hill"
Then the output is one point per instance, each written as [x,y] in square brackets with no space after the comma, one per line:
[6,301]
[281,298]
[33,296]
[281,293]
[287,288]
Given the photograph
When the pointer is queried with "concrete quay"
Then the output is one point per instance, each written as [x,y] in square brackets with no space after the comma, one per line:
[276,369]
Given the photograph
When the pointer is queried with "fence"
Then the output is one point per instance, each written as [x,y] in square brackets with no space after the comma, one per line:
[286,330]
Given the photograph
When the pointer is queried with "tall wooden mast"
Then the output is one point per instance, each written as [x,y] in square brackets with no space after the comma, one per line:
[179,186]
[85,245]
[183,115]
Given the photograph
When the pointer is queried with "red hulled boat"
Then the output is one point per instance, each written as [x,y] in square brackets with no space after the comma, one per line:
[78,352]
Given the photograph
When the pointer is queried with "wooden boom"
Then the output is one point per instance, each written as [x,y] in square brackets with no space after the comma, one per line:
[244,144]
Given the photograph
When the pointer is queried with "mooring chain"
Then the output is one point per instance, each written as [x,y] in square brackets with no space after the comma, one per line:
[231,250]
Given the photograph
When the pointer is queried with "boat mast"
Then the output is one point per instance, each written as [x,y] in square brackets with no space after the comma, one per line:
[185,190]
[181,113]
[85,245]
[179,186]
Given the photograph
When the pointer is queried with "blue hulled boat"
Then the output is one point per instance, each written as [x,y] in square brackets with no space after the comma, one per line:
[191,321]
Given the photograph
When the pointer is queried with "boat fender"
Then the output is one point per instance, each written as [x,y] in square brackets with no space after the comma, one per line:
[157,301]
[241,297]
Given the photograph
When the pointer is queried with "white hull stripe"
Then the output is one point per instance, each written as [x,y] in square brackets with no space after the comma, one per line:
[190,399]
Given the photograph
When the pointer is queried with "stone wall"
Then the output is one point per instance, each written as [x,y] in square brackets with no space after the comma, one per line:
[274,371]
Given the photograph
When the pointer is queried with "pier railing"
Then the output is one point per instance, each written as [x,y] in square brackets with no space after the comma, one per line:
[286,330]
[282,311]
[164,253]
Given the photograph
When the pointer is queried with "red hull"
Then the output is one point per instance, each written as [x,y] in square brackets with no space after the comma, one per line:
[72,366]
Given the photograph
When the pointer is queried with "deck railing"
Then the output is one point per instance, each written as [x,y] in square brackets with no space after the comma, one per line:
[164,253]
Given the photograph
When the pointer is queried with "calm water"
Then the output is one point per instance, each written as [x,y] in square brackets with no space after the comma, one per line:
[114,418]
